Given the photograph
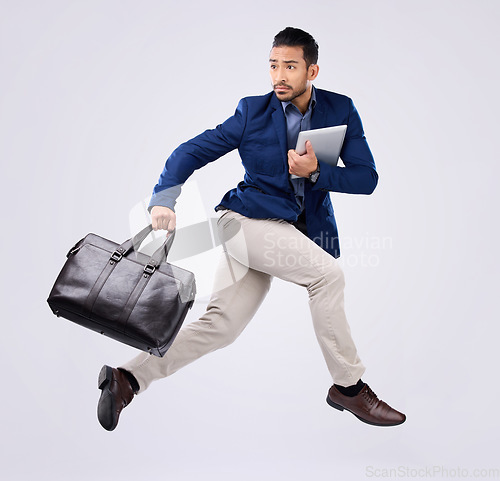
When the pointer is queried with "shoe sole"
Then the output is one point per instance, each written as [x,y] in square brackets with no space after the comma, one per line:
[104,377]
[106,403]
[342,408]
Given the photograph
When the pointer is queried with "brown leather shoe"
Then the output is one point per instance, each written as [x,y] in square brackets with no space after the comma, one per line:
[366,406]
[116,394]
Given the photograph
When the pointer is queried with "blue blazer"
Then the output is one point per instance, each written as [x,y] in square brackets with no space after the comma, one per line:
[258,130]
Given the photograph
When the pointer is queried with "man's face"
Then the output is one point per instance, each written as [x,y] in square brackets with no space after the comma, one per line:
[290,76]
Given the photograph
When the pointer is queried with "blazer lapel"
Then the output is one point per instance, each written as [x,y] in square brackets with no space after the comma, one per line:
[279,122]
[318,118]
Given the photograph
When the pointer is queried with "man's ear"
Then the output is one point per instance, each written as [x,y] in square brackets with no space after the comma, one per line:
[313,71]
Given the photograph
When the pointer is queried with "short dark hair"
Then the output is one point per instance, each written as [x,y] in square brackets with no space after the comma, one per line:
[295,37]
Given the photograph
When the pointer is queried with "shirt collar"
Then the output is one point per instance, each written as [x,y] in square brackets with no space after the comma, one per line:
[312,102]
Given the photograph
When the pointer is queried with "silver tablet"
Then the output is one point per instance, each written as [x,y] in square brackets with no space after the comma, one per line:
[327,143]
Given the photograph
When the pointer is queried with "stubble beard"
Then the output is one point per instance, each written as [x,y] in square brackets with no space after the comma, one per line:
[290,96]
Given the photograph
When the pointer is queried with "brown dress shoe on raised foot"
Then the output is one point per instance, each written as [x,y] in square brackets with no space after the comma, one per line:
[366,406]
[116,394]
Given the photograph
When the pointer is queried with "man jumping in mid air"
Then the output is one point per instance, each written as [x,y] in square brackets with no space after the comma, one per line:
[271,225]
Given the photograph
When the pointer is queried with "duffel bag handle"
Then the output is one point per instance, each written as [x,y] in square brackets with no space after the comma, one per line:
[136,241]
[160,254]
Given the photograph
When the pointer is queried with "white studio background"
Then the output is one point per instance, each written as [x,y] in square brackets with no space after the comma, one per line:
[94,95]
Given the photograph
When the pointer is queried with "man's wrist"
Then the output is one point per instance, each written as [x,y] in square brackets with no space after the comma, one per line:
[313,176]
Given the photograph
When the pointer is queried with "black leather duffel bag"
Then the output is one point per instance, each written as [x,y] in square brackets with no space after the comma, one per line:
[124,294]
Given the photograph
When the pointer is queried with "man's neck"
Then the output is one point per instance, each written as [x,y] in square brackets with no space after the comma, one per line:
[302,101]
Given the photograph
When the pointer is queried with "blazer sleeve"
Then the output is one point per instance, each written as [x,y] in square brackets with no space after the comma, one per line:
[196,153]
[359,176]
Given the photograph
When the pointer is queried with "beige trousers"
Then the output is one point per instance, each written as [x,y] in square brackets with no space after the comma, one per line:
[255,251]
